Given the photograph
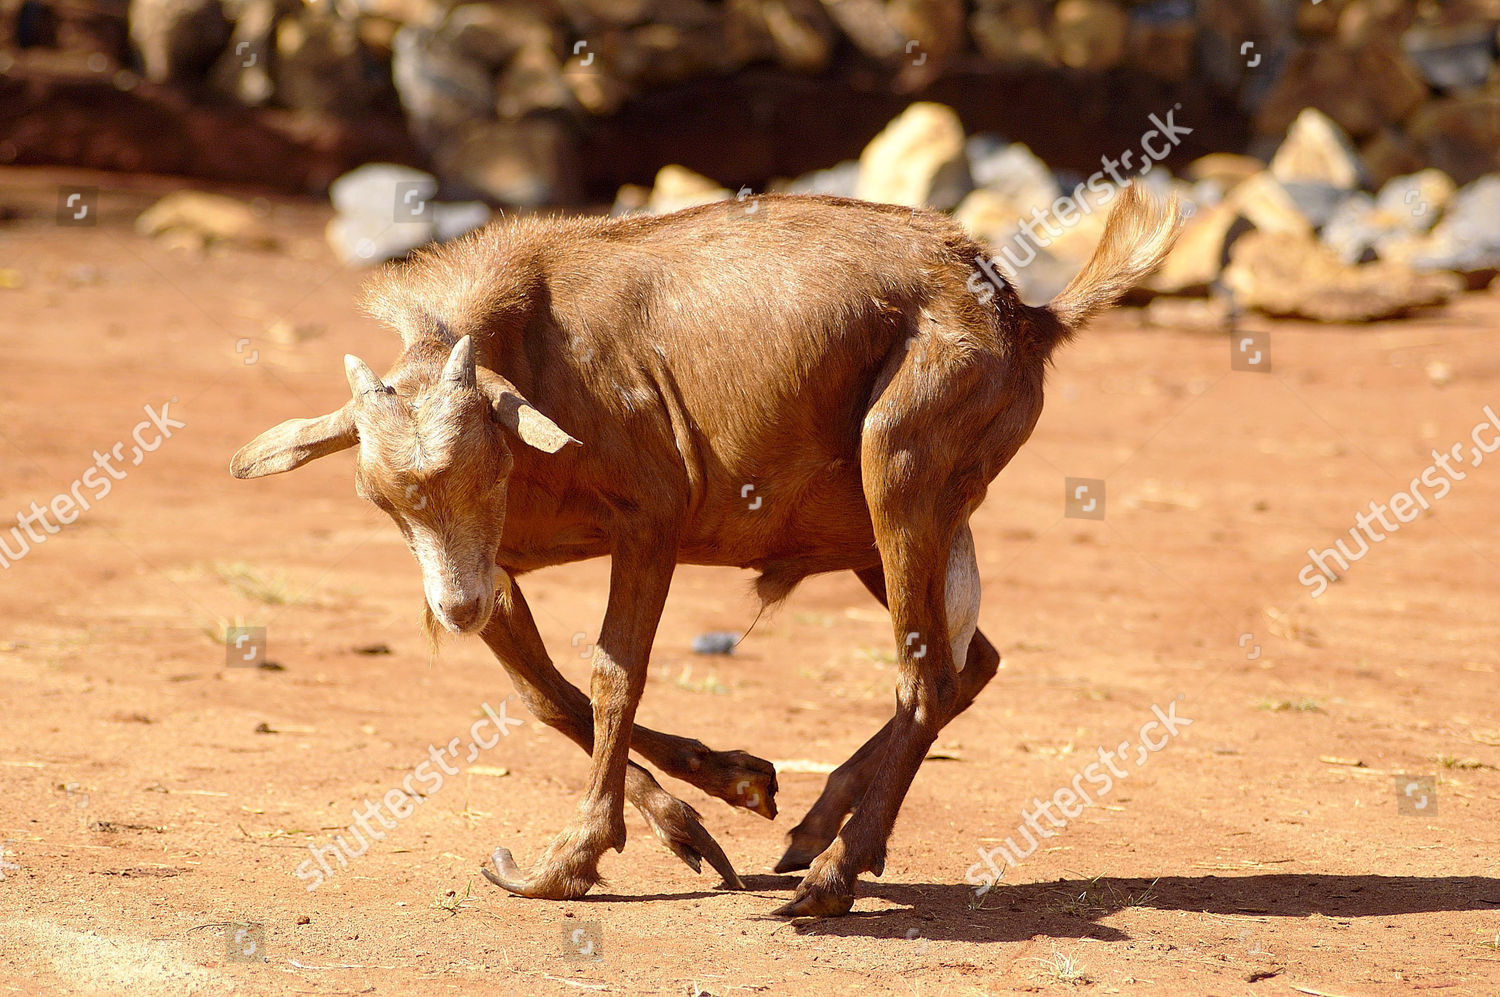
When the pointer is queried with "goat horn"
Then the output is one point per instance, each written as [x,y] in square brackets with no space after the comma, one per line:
[459,371]
[362,380]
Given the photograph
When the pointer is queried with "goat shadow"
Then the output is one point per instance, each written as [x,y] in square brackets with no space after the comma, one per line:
[1070,908]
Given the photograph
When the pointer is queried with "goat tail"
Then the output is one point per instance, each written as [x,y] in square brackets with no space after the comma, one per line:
[1137,238]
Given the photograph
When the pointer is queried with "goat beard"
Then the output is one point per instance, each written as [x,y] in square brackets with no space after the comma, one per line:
[434,631]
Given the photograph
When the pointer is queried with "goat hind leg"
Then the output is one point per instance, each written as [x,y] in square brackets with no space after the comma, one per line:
[927,696]
[846,784]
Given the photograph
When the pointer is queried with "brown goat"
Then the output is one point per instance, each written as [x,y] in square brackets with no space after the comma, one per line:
[810,384]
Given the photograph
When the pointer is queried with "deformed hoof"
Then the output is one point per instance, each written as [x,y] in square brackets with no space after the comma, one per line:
[507,875]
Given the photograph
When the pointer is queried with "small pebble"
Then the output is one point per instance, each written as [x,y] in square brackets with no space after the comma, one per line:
[717,642]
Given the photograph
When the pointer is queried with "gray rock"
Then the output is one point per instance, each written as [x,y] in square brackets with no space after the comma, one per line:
[1318,202]
[1421,196]
[453,219]
[365,241]
[1456,57]
[1467,239]
[1015,174]
[441,89]
[717,642]
[384,192]
[1354,230]
[177,39]
[836,181]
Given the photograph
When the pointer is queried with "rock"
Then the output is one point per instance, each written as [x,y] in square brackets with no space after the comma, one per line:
[868,25]
[177,39]
[194,218]
[1355,229]
[1451,57]
[1011,171]
[1467,238]
[1459,135]
[1292,276]
[1198,259]
[1266,204]
[383,192]
[451,219]
[363,240]
[1089,34]
[1421,197]
[989,217]
[491,33]
[1161,39]
[1013,32]
[1363,89]
[322,66]
[917,160]
[527,163]
[1390,153]
[798,34]
[932,33]
[533,81]
[244,70]
[1043,277]
[1317,202]
[1226,168]
[836,181]
[716,642]
[1317,151]
[678,187]
[1368,22]
[630,199]
[442,90]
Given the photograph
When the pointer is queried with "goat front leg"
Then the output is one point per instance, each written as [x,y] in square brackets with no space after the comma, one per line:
[640,575]
[736,777]
[555,701]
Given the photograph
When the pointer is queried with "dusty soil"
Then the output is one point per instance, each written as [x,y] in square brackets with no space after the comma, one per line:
[156,800]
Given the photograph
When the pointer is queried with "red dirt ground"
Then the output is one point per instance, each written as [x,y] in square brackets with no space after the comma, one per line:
[155,798]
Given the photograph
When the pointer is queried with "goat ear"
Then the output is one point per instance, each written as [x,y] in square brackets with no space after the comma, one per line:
[294,443]
[516,414]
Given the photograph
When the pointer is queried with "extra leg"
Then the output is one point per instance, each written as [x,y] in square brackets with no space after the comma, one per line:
[639,579]
[846,784]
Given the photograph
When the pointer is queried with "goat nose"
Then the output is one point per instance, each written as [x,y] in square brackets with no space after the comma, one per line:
[463,614]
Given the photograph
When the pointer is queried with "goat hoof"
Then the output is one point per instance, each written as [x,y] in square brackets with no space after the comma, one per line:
[816,902]
[545,884]
[801,850]
[680,828]
[752,782]
[507,875]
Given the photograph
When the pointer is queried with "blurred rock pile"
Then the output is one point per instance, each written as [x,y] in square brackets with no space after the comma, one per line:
[1305,235]
[496,93]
